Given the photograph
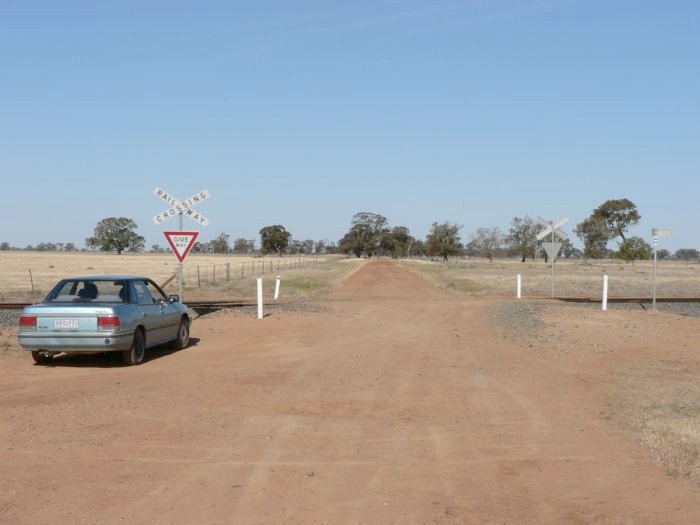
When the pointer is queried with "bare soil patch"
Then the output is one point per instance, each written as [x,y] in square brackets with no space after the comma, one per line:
[396,402]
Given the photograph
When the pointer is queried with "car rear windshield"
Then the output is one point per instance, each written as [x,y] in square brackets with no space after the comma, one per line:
[88,290]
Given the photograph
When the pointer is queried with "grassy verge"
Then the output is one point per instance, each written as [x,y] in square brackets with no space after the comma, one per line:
[660,406]
[471,279]
[571,278]
[303,283]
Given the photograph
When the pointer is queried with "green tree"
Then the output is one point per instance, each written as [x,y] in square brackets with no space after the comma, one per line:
[444,240]
[618,215]
[5,246]
[243,246]
[397,242]
[523,236]
[569,251]
[663,254]
[594,234]
[365,236]
[486,241]
[116,233]
[220,244]
[417,248]
[687,254]
[634,248]
[274,239]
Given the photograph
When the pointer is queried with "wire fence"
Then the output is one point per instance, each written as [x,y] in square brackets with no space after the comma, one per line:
[31,276]
[203,275]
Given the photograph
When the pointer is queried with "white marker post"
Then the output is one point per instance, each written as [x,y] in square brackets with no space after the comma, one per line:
[520,282]
[260,298]
[605,292]
[277,288]
[656,233]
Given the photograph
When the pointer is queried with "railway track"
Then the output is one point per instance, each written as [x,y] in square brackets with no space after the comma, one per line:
[241,304]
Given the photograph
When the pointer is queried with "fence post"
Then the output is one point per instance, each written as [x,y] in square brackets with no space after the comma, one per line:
[31,280]
[228,271]
[518,295]
[199,278]
[242,270]
[214,270]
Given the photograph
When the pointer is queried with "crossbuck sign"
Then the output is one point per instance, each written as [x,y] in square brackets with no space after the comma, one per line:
[185,207]
[552,248]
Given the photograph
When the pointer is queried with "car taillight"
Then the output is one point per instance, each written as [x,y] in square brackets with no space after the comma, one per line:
[108,322]
[27,322]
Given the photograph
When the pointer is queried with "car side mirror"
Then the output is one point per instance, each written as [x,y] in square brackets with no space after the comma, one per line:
[174,298]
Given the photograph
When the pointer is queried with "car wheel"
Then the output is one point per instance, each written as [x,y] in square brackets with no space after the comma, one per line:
[183,335]
[134,355]
[41,357]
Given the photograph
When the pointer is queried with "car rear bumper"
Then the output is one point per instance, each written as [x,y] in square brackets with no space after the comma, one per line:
[75,343]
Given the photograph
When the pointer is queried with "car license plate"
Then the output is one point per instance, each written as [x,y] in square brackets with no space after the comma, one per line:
[65,324]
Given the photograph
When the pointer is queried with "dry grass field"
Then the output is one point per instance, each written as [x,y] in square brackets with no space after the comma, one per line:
[571,278]
[28,276]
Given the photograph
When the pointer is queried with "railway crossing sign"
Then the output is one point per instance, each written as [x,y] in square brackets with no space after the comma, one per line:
[552,227]
[181,243]
[178,207]
[552,248]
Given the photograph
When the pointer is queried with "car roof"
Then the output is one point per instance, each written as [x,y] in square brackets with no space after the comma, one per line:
[106,277]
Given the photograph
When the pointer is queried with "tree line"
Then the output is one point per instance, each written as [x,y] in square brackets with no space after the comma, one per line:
[370,235]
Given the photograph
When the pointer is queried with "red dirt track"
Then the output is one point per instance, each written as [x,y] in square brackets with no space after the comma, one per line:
[398,403]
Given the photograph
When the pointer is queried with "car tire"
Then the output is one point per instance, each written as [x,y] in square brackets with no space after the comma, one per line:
[183,335]
[134,355]
[42,358]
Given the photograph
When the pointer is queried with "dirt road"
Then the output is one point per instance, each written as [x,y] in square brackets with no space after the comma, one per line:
[397,404]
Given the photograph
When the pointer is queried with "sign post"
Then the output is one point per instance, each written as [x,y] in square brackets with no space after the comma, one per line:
[181,242]
[552,248]
[656,233]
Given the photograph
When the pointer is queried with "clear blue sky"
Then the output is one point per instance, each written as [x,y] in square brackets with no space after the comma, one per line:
[304,113]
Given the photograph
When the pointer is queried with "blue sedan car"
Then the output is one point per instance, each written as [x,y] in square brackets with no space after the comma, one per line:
[104,313]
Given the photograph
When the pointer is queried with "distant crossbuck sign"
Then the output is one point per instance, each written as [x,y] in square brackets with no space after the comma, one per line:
[552,228]
[186,207]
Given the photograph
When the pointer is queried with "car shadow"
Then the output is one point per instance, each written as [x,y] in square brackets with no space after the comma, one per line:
[113,359]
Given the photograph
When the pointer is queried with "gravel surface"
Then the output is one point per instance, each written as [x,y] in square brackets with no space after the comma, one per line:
[521,321]
[9,318]
[685,309]
[525,322]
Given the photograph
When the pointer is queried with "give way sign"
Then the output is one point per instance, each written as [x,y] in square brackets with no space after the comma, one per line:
[181,243]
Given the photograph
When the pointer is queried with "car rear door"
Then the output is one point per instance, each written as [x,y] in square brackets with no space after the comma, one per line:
[152,312]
